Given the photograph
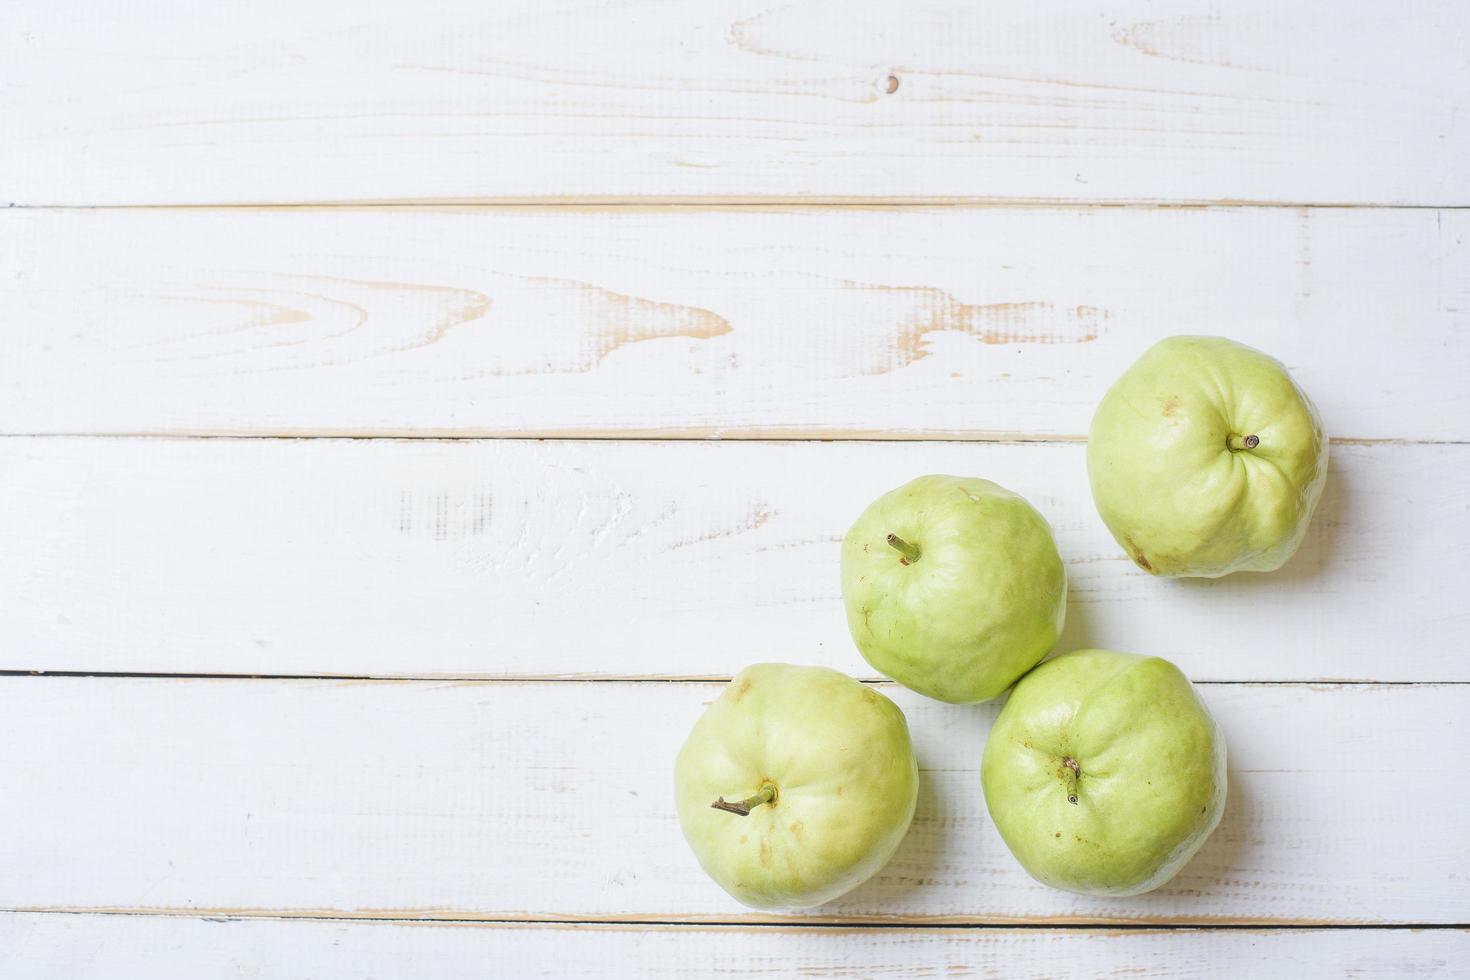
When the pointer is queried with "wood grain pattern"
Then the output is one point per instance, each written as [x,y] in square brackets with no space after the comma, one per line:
[520,100]
[554,800]
[522,824]
[96,947]
[511,558]
[730,323]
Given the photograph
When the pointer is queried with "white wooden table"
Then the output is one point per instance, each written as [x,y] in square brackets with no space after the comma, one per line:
[412,411]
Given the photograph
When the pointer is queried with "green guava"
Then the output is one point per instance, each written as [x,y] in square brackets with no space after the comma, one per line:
[1206,458]
[796,785]
[953,587]
[1104,772]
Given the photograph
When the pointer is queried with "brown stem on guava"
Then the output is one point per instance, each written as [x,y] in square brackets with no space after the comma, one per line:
[742,808]
[1237,443]
[910,552]
[1071,771]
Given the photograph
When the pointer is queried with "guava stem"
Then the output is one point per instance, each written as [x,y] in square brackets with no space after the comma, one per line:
[910,552]
[1070,773]
[741,808]
[1237,443]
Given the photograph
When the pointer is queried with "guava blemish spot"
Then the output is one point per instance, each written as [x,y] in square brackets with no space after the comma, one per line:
[742,690]
[744,839]
[1057,834]
[797,829]
[1171,405]
[765,854]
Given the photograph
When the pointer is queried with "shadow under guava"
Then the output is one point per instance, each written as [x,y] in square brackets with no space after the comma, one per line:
[1226,863]
[1077,633]
[1331,521]
[917,862]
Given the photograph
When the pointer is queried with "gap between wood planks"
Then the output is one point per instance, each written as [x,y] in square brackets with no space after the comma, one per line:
[654,435]
[609,679]
[430,917]
[698,202]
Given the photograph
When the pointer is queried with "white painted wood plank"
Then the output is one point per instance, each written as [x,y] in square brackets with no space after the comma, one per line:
[510,558]
[99,947]
[275,101]
[957,322]
[548,800]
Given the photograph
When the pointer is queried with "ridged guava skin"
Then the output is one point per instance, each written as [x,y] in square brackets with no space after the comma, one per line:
[982,604]
[1130,740]
[1176,477]
[845,781]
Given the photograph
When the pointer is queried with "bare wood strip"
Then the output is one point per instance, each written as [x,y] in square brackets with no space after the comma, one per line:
[82,947]
[524,559]
[453,100]
[417,799]
[725,323]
